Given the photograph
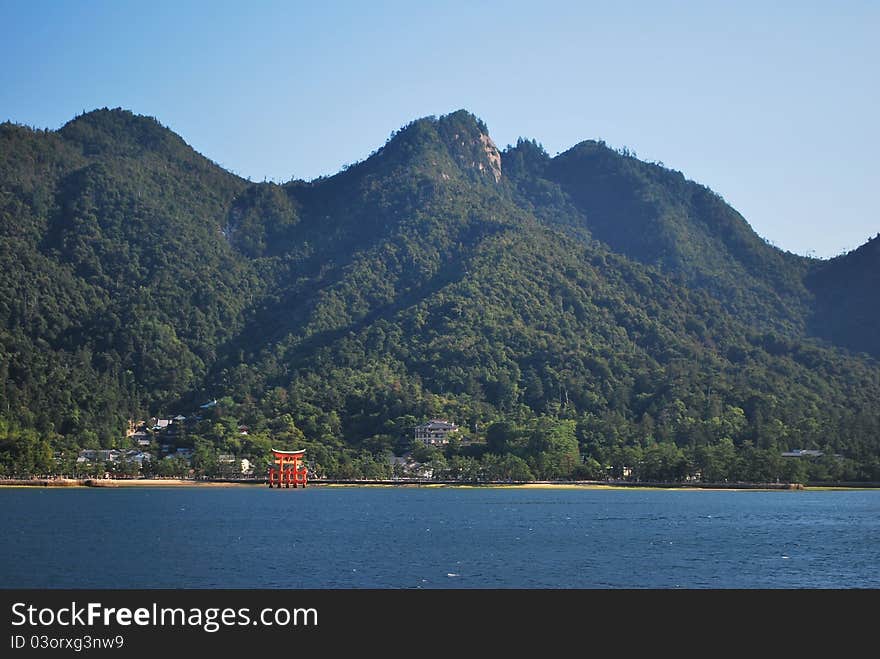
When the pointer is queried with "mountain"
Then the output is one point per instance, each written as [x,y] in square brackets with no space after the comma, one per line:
[573,314]
[846,311]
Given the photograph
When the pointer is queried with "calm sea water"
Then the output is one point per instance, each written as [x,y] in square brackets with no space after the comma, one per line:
[436,538]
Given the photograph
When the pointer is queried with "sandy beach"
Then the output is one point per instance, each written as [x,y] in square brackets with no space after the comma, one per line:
[122,482]
[166,482]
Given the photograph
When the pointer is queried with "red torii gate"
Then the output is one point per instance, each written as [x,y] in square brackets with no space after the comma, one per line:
[288,469]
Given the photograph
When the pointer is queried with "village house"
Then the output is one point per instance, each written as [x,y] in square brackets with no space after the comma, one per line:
[94,456]
[234,467]
[161,424]
[138,457]
[184,454]
[407,467]
[435,432]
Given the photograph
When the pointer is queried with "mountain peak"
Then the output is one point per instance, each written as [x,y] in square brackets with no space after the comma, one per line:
[467,135]
[106,115]
[464,118]
[461,135]
[120,132]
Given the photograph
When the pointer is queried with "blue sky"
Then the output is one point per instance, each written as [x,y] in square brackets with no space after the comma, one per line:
[773,107]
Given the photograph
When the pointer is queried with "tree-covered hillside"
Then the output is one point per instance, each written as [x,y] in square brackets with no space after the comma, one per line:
[580,316]
[118,286]
[846,312]
[656,216]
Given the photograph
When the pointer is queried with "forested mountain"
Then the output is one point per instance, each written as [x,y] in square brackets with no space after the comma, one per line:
[846,312]
[576,315]
[656,216]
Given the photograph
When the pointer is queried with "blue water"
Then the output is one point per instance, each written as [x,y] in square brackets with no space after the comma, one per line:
[436,538]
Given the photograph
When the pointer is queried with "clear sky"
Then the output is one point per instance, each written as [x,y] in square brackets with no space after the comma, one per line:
[772,105]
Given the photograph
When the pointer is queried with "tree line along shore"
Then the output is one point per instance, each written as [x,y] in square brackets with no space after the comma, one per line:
[216,445]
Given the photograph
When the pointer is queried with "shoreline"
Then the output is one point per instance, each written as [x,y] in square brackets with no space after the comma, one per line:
[118,483]
[529,485]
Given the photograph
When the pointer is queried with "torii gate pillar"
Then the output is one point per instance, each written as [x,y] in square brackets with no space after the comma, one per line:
[287,469]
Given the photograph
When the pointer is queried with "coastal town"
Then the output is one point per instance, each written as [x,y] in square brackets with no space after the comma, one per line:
[163,447]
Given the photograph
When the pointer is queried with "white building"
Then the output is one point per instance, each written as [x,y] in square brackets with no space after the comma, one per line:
[435,432]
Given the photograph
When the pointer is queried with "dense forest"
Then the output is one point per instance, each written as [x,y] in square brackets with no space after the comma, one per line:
[583,316]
